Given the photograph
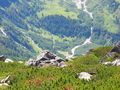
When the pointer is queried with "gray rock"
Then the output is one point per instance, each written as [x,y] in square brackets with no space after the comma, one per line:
[84,75]
[8,60]
[62,64]
[47,61]
[55,63]
[46,55]
[107,63]
[29,62]
[46,58]
[114,63]
[3,84]
[116,48]
[6,79]
[2,58]
[41,65]
[60,60]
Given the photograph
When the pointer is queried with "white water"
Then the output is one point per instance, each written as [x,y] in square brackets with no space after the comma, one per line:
[2,30]
[82,5]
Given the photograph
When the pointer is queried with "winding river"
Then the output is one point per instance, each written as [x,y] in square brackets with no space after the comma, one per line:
[81,4]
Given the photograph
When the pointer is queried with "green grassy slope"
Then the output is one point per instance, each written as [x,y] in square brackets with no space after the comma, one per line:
[54,78]
[54,7]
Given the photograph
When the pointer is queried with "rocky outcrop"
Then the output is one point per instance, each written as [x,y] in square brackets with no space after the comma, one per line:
[114,63]
[46,58]
[5,82]
[2,58]
[116,49]
[84,76]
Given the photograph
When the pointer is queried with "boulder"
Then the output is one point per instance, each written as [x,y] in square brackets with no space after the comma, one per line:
[114,63]
[60,60]
[4,82]
[47,61]
[116,48]
[6,79]
[46,58]
[49,55]
[8,60]
[55,63]
[107,63]
[2,58]
[112,53]
[41,65]
[29,62]
[46,55]
[84,75]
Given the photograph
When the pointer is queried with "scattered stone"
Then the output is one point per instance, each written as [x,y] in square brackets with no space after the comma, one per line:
[29,62]
[62,64]
[6,79]
[116,48]
[84,75]
[60,60]
[46,58]
[112,53]
[107,63]
[2,58]
[8,61]
[41,65]
[46,55]
[114,63]
[4,84]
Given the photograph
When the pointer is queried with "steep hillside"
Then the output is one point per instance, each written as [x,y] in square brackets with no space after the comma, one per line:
[29,26]
[54,78]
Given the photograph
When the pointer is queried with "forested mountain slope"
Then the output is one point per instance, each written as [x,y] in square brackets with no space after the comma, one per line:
[29,26]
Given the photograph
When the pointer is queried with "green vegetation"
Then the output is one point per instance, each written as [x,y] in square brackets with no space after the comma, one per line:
[106,14]
[45,21]
[54,78]
[55,8]
[85,48]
